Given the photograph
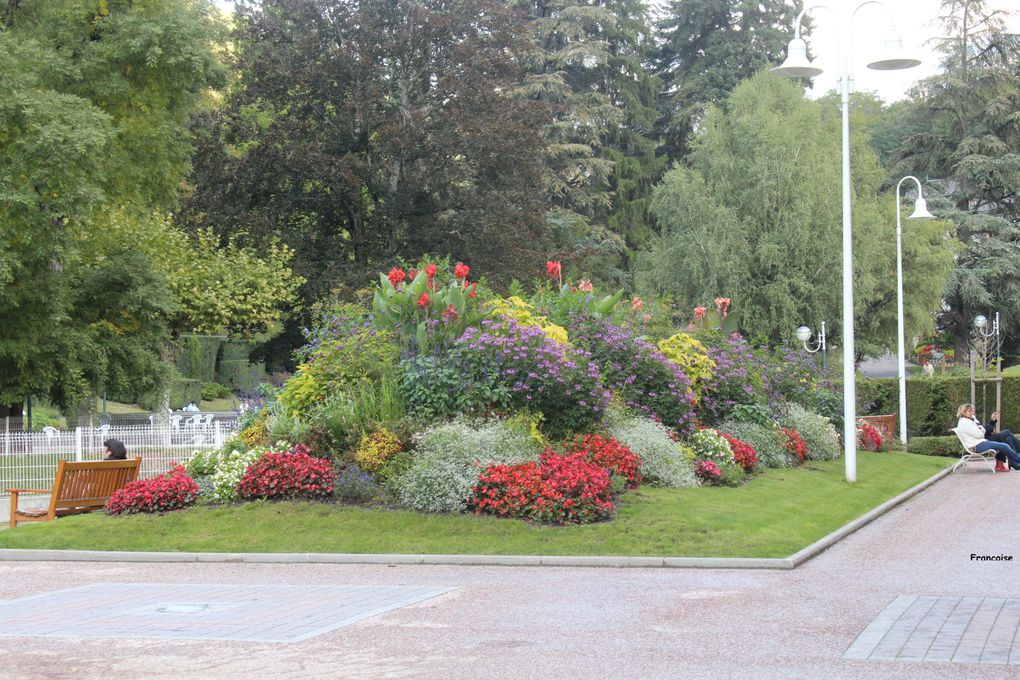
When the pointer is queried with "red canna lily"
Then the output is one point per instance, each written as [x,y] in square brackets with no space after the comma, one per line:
[460,270]
[423,301]
[396,275]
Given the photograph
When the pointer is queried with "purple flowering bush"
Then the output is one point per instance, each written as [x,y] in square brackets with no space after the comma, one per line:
[740,377]
[646,380]
[521,368]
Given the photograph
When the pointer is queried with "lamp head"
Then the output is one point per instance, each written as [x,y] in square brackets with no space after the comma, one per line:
[893,58]
[921,211]
[803,333]
[797,64]
[980,321]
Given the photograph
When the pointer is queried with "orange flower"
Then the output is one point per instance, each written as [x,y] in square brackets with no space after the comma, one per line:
[699,313]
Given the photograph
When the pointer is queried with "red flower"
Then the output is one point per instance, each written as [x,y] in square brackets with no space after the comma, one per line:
[423,301]
[637,304]
[413,273]
[699,313]
[430,271]
[396,276]
[450,314]
[473,286]
[553,268]
[460,270]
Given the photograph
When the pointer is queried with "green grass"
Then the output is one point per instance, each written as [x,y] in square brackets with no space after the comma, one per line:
[775,515]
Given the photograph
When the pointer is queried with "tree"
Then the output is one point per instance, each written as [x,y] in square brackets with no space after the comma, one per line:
[363,132]
[92,102]
[757,218]
[706,48]
[968,139]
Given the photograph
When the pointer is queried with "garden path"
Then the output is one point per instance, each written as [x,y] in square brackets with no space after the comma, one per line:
[538,622]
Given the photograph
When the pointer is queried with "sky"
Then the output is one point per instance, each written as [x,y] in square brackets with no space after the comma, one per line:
[916,20]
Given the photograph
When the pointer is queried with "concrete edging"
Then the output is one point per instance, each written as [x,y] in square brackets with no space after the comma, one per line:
[792,562]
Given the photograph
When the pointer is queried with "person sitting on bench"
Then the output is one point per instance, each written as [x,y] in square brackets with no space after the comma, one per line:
[972,434]
[115,450]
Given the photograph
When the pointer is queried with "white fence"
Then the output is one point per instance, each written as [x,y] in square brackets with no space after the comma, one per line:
[28,460]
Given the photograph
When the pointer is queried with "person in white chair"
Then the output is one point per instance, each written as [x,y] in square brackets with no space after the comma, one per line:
[972,434]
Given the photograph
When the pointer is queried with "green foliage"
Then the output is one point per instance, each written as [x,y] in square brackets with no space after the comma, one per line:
[425,313]
[755,219]
[819,435]
[706,48]
[935,446]
[437,386]
[376,449]
[768,442]
[212,390]
[663,461]
[447,460]
[197,356]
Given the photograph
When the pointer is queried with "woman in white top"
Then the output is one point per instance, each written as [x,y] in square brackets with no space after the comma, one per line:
[972,434]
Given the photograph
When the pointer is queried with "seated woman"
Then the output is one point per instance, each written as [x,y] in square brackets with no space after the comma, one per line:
[972,434]
[115,450]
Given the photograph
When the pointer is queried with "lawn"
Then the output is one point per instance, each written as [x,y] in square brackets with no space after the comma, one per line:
[775,515]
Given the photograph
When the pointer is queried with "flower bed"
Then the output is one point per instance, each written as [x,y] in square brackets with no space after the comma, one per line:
[170,491]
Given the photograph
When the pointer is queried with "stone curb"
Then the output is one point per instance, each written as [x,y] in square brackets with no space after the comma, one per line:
[792,562]
[826,542]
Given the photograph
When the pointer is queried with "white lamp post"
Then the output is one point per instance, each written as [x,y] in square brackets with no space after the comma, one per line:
[798,66]
[920,213]
[981,322]
[804,334]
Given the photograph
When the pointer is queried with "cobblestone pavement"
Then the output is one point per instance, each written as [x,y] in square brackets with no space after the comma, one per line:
[862,609]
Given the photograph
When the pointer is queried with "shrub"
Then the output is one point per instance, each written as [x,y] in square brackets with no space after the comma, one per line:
[868,436]
[646,380]
[663,462]
[520,368]
[286,476]
[768,442]
[447,459]
[744,454]
[816,431]
[934,446]
[608,453]
[355,485]
[795,446]
[376,449]
[229,470]
[708,472]
[710,445]
[557,489]
[739,377]
[214,390]
[437,386]
[684,350]
[170,491]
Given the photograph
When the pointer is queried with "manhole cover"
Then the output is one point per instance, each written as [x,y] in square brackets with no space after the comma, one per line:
[957,629]
[256,613]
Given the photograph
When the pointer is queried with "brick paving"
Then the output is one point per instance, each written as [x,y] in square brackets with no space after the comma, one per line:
[945,629]
[262,613]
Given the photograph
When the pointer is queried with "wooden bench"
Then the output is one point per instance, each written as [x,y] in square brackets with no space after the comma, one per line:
[78,487]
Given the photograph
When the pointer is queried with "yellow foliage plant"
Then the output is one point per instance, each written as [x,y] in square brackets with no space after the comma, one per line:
[520,311]
[690,355]
[375,450]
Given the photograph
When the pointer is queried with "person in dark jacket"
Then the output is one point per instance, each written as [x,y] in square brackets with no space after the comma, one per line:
[115,450]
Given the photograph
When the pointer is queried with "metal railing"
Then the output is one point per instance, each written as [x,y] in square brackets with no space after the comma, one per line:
[28,460]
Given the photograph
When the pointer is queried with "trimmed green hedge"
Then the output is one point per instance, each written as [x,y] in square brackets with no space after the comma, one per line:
[932,402]
[197,356]
[935,446]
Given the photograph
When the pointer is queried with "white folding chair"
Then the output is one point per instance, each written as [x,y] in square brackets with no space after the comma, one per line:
[970,454]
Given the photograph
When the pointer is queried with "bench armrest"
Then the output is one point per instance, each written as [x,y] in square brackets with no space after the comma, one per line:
[29,490]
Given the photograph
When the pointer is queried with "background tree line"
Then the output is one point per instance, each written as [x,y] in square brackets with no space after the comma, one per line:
[329,139]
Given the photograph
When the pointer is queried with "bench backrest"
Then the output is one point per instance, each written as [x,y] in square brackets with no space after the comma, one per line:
[954,431]
[90,484]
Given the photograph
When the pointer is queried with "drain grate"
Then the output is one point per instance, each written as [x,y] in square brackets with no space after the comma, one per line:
[255,613]
[948,629]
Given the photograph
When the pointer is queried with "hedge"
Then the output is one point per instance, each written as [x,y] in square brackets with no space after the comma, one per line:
[935,446]
[932,402]
[197,356]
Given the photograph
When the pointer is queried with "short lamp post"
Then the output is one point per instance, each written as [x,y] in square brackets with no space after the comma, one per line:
[797,65]
[920,213]
[804,335]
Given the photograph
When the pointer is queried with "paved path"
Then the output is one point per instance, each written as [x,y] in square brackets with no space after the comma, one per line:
[528,622]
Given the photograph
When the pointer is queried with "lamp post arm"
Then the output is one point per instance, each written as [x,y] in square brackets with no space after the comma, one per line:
[920,192]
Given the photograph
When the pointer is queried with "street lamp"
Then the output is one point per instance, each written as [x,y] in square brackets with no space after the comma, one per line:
[804,334]
[797,65]
[920,213]
[981,322]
